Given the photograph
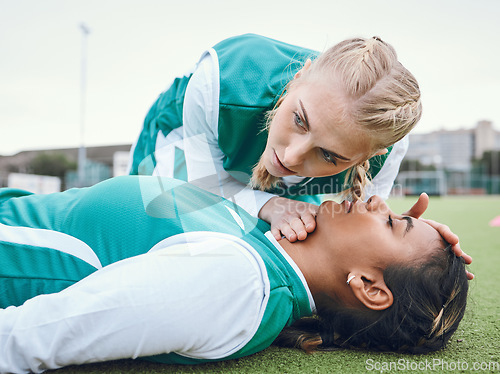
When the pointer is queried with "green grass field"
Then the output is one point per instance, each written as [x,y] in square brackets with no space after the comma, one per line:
[476,342]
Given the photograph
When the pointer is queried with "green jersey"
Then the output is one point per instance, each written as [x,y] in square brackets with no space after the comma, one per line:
[208,126]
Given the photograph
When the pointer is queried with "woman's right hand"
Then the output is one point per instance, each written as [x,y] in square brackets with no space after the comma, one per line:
[419,208]
[289,218]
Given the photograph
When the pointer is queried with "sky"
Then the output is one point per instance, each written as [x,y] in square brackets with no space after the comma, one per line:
[136,47]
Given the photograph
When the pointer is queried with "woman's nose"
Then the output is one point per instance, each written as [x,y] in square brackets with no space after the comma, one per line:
[295,154]
[375,203]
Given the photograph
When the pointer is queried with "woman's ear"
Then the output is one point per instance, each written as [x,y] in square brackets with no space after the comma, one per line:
[306,66]
[371,290]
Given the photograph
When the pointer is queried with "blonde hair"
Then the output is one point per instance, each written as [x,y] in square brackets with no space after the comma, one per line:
[384,100]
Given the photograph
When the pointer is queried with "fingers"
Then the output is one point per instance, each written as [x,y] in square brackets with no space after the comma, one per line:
[295,228]
[467,259]
[444,230]
[459,253]
[283,228]
[309,221]
[299,228]
[457,250]
[304,224]
[292,219]
[276,233]
[451,238]
[292,230]
[419,207]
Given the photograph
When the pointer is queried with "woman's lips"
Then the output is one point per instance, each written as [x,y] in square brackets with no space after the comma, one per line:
[280,167]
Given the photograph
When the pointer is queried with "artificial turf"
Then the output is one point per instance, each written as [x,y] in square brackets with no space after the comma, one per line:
[477,340]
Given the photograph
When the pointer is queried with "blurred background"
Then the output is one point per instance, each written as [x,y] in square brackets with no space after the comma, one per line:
[77,78]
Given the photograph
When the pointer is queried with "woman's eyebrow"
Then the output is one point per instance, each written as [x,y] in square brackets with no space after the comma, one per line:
[306,120]
[409,224]
[304,112]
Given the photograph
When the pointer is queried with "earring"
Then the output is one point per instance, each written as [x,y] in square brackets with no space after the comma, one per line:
[350,278]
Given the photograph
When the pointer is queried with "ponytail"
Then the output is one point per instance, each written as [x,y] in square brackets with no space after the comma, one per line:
[358,177]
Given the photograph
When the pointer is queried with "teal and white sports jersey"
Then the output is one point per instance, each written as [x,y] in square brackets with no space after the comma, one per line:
[207,126]
[138,266]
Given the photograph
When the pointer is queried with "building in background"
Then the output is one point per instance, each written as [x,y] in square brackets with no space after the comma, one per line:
[100,163]
[450,154]
[39,184]
[454,149]
[120,163]
[440,163]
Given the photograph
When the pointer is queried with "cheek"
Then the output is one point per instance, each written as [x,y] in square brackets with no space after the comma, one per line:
[280,133]
[275,128]
[373,240]
[391,251]
[356,243]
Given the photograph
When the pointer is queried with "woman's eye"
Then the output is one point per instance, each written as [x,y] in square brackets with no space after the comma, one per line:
[298,121]
[328,157]
[390,221]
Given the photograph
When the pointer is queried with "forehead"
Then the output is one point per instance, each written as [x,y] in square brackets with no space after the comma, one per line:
[325,101]
[424,239]
[327,111]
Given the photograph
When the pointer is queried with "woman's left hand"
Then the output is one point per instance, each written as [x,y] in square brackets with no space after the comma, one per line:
[289,218]
[419,208]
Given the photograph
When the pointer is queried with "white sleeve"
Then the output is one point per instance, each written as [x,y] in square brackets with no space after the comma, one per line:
[383,181]
[177,299]
[204,158]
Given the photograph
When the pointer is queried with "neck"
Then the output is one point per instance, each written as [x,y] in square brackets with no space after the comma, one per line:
[314,263]
[323,267]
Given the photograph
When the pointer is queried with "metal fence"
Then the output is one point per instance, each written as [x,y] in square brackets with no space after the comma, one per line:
[442,183]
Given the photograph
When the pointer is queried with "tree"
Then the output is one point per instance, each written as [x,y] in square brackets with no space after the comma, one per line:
[489,163]
[415,165]
[55,164]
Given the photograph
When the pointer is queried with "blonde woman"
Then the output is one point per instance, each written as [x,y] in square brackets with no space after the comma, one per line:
[266,124]
[332,120]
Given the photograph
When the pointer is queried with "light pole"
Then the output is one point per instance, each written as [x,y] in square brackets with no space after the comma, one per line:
[82,154]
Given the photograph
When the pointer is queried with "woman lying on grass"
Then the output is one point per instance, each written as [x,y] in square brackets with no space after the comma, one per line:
[159,269]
